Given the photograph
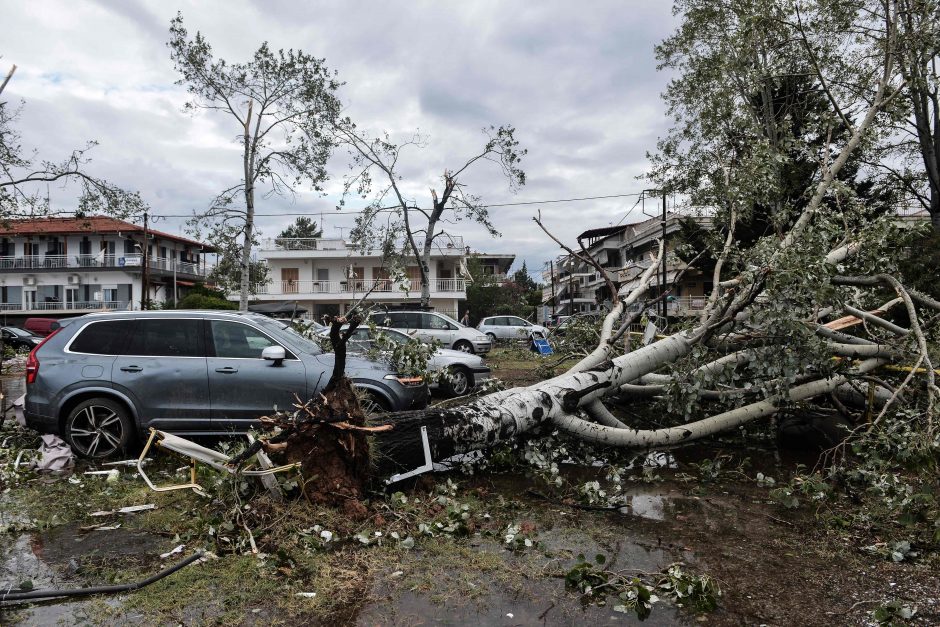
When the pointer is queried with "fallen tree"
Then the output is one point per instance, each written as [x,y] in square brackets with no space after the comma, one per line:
[796,317]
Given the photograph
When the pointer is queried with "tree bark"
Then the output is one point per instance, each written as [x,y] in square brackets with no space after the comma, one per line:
[248,162]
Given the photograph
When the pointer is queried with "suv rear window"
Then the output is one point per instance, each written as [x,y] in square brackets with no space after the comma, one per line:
[103,338]
[173,337]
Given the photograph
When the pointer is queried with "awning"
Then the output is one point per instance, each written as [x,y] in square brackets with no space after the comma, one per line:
[271,309]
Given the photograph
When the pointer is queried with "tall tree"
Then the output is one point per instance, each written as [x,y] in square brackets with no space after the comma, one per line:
[302,228]
[284,104]
[24,177]
[919,55]
[420,227]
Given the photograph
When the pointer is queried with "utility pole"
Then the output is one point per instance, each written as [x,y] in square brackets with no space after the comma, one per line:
[145,301]
[662,287]
[175,262]
[570,286]
[551,280]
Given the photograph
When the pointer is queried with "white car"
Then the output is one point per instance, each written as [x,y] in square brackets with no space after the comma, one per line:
[465,370]
[510,328]
[430,326]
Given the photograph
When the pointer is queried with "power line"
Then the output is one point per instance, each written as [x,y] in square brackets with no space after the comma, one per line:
[505,204]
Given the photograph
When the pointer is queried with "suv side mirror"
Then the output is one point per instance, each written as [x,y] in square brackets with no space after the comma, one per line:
[275,354]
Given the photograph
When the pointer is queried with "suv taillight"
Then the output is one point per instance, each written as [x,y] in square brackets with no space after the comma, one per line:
[32,363]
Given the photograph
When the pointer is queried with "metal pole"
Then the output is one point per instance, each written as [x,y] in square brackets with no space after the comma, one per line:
[662,287]
[145,301]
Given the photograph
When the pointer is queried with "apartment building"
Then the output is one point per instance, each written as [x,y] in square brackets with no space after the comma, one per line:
[624,252]
[69,266]
[495,266]
[329,275]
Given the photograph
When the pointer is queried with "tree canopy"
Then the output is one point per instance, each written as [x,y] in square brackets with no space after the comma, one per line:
[283,104]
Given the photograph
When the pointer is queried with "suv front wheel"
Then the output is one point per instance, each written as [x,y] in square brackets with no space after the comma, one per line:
[463,346]
[99,428]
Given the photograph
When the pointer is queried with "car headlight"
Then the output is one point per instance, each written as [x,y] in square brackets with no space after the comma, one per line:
[410,382]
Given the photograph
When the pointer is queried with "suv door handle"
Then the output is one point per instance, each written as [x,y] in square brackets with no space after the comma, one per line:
[227,370]
[131,369]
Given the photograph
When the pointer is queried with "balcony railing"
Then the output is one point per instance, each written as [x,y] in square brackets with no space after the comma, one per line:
[68,306]
[37,262]
[442,243]
[354,286]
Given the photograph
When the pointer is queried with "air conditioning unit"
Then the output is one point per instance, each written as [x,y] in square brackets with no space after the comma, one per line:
[29,279]
[75,279]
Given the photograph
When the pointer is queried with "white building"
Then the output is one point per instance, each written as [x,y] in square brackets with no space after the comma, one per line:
[69,266]
[328,275]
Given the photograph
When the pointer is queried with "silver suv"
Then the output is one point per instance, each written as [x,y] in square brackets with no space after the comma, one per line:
[430,326]
[102,379]
[511,327]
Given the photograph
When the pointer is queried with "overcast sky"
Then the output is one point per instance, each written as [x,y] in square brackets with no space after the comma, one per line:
[578,80]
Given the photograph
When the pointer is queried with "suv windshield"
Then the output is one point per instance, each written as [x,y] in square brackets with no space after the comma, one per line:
[296,338]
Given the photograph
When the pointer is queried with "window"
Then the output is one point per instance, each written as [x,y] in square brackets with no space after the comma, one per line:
[397,320]
[430,321]
[517,322]
[323,274]
[103,338]
[234,340]
[171,337]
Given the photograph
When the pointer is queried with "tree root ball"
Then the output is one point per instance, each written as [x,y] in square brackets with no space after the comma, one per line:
[334,461]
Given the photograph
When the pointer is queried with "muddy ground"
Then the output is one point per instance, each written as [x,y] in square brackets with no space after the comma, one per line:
[419,560]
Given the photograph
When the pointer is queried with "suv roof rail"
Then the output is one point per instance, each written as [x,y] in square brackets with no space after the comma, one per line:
[405,307]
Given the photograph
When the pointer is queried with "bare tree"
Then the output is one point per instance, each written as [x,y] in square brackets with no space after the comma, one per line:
[283,103]
[24,177]
[421,228]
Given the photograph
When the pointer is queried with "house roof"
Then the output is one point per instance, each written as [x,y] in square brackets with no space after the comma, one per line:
[91,224]
[604,231]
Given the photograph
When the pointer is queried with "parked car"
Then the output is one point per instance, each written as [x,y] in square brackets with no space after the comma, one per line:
[17,338]
[511,328]
[465,370]
[41,326]
[102,379]
[588,317]
[429,326]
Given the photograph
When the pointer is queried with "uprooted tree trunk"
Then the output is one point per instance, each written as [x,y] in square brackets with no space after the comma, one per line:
[328,435]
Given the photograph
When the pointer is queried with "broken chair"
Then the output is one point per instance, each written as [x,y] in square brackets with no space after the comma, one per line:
[197,453]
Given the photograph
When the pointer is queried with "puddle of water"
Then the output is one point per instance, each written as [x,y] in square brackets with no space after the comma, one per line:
[48,560]
[539,601]
[647,506]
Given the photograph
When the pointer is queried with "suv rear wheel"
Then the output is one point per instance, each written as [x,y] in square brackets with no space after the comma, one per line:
[99,428]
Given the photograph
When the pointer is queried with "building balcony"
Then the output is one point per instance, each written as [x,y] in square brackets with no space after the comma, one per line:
[291,247]
[377,288]
[128,263]
[65,307]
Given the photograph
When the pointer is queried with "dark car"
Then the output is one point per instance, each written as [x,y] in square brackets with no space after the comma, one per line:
[102,379]
[18,338]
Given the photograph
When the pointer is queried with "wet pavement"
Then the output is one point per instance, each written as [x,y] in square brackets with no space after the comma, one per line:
[58,559]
